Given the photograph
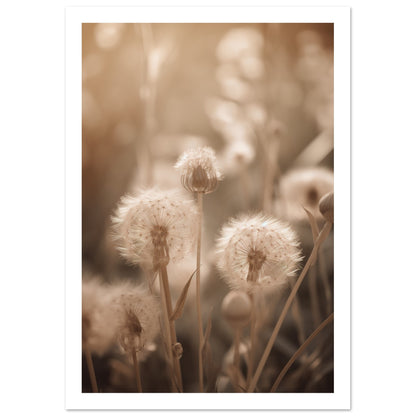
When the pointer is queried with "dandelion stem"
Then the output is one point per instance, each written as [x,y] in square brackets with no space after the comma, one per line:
[167,335]
[137,371]
[321,238]
[299,351]
[198,293]
[168,300]
[91,371]
[252,340]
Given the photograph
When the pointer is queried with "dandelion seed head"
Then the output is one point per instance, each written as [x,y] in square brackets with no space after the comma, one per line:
[137,313]
[155,226]
[199,170]
[257,253]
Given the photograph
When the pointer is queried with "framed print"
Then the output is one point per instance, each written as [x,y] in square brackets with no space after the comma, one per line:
[207,208]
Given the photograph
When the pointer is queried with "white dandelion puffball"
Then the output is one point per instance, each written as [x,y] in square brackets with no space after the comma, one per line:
[155,226]
[257,253]
[137,314]
[199,170]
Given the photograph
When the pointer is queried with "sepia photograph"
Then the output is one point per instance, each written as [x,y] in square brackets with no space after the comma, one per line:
[207,208]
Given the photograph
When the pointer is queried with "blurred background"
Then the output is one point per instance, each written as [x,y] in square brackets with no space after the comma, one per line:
[261,95]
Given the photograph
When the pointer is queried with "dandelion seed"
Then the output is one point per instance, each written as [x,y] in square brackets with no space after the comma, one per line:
[257,253]
[199,171]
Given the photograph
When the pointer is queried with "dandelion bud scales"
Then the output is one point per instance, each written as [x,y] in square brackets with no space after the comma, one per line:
[199,171]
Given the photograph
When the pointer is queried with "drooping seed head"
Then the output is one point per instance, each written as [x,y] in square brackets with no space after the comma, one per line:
[256,253]
[199,171]
[236,308]
[155,227]
[326,206]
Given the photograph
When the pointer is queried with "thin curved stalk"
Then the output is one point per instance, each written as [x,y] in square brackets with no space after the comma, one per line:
[312,258]
[297,317]
[300,351]
[137,371]
[313,293]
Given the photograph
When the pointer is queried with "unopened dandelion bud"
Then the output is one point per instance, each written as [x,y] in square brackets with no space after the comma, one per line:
[326,206]
[236,309]
[199,171]
[177,350]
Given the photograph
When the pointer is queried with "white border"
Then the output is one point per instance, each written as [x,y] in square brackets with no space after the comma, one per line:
[74,398]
